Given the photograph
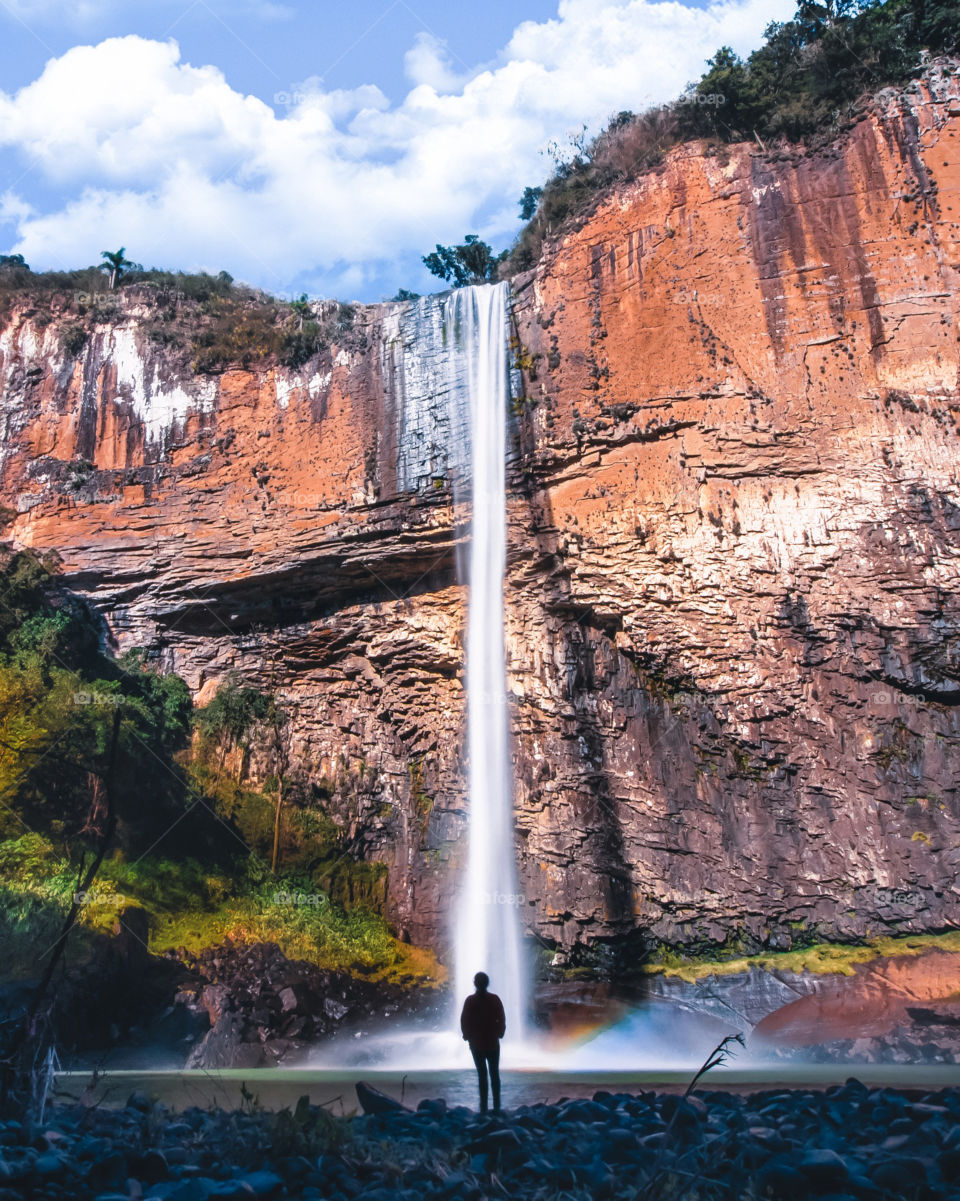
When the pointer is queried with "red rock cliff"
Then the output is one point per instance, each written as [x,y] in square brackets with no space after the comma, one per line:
[734,513]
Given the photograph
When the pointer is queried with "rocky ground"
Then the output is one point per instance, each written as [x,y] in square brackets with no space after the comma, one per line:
[265,1008]
[235,1005]
[847,1142]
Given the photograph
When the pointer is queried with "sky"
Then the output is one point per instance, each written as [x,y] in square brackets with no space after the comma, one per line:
[317,147]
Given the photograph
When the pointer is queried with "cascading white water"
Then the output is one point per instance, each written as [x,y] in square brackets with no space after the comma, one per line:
[446,364]
[487,931]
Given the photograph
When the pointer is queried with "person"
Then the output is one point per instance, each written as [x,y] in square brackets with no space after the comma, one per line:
[482,1024]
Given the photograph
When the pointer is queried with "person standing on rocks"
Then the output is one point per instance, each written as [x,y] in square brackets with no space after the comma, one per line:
[482,1024]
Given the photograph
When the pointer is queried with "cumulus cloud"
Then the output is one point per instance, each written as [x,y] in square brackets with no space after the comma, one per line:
[333,188]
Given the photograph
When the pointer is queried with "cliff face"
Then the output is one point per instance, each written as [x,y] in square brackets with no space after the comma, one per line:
[734,546]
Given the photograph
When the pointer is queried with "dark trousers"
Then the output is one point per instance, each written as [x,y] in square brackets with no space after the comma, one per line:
[482,1057]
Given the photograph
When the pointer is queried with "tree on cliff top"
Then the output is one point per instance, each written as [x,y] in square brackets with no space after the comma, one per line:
[116,263]
[472,262]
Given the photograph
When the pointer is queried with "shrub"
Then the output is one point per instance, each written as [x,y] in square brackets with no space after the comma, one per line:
[238,334]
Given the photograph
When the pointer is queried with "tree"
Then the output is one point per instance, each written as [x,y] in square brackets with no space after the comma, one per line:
[472,262]
[279,728]
[278,741]
[528,202]
[302,308]
[81,736]
[116,263]
[229,717]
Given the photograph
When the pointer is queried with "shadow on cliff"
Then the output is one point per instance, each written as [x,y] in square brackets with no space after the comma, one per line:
[579,631]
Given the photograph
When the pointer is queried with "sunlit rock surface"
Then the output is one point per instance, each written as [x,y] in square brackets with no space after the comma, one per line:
[734,533]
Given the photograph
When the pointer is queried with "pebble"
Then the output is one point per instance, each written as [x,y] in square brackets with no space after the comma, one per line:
[835,1145]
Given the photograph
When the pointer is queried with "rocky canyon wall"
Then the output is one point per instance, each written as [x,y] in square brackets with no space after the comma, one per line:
[734,547]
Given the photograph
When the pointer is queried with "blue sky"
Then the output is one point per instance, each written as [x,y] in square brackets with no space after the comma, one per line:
[315,147]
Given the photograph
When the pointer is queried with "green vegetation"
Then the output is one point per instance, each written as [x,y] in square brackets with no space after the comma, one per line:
[802,84]
[220,323]
[116,262]
[104,759]
[819,958]
[63,705]
[472,262]
[191,906]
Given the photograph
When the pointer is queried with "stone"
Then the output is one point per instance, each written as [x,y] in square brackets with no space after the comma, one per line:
[262,1184]
[198,1189]
[50,1164]
[151,1166]
[780,1180]
[823,1167]
[902,1174]
[375,1102]
[433,1108]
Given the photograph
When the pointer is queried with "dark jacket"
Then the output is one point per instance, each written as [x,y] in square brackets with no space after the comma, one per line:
[483,1022]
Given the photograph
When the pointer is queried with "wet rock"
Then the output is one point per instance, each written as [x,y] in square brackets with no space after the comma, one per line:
[263,1184]
[782,1179]
[150,1167]
[435,1108]
[265,1009]
[901,1175]
[375,1102]
[823,1168]
[51,1164]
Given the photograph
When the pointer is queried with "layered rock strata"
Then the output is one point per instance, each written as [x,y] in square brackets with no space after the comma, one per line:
[734,547]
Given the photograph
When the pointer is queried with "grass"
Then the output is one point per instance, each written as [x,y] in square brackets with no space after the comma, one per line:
[822,958]
[192,906]
[357,942]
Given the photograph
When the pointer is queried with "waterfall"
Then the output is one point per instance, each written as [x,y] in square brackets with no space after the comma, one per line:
[487,930]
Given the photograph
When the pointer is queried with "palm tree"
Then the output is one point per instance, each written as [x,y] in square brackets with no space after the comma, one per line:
[115,263]
[302,308]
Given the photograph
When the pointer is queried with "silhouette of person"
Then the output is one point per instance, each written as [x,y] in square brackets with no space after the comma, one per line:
[482,1024]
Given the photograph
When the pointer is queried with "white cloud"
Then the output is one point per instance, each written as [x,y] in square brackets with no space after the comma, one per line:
[333,186]
[428,62]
